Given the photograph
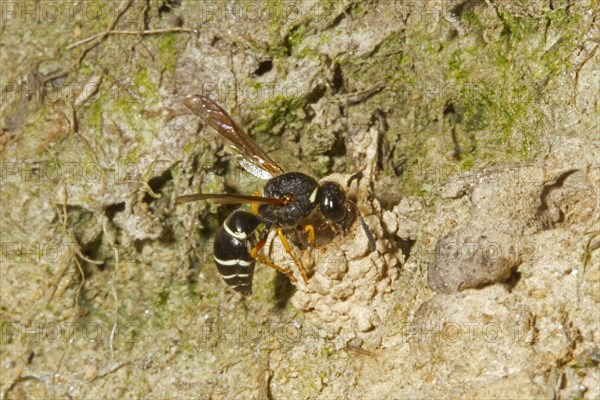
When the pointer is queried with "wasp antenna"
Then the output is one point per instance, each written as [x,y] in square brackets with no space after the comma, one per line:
[356,177]
[365,227]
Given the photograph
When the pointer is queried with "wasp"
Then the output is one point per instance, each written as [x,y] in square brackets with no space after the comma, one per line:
[290,200]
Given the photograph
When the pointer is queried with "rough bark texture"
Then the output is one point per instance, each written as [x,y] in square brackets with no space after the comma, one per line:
[475,123]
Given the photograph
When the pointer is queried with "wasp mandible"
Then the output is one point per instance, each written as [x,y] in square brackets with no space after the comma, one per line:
[287,201]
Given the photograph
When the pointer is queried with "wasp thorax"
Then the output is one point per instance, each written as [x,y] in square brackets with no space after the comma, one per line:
[293,187]
[332,201]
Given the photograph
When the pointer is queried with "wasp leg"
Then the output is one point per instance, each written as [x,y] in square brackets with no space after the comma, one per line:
[288,249]
[263,260]
[311,234]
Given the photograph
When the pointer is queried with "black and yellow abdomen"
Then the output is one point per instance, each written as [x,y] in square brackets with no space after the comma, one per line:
[231,250]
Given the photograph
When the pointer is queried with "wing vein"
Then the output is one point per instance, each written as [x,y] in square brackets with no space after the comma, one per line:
[214,115]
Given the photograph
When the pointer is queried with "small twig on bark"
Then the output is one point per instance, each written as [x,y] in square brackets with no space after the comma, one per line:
[143,33]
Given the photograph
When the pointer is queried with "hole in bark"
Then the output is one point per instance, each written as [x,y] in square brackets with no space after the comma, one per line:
[338,78]
[167,6]
[263,67]
[157,184]
[112,210]
[284,290]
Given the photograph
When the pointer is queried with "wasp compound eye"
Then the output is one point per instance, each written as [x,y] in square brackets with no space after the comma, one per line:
[332,201]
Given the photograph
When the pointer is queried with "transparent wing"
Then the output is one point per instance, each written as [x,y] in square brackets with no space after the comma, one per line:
[257,162]
[254,169]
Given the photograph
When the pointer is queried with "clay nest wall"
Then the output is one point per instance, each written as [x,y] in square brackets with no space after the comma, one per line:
[475,125]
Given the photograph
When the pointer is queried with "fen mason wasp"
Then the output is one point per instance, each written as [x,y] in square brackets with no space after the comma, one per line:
[290,203]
